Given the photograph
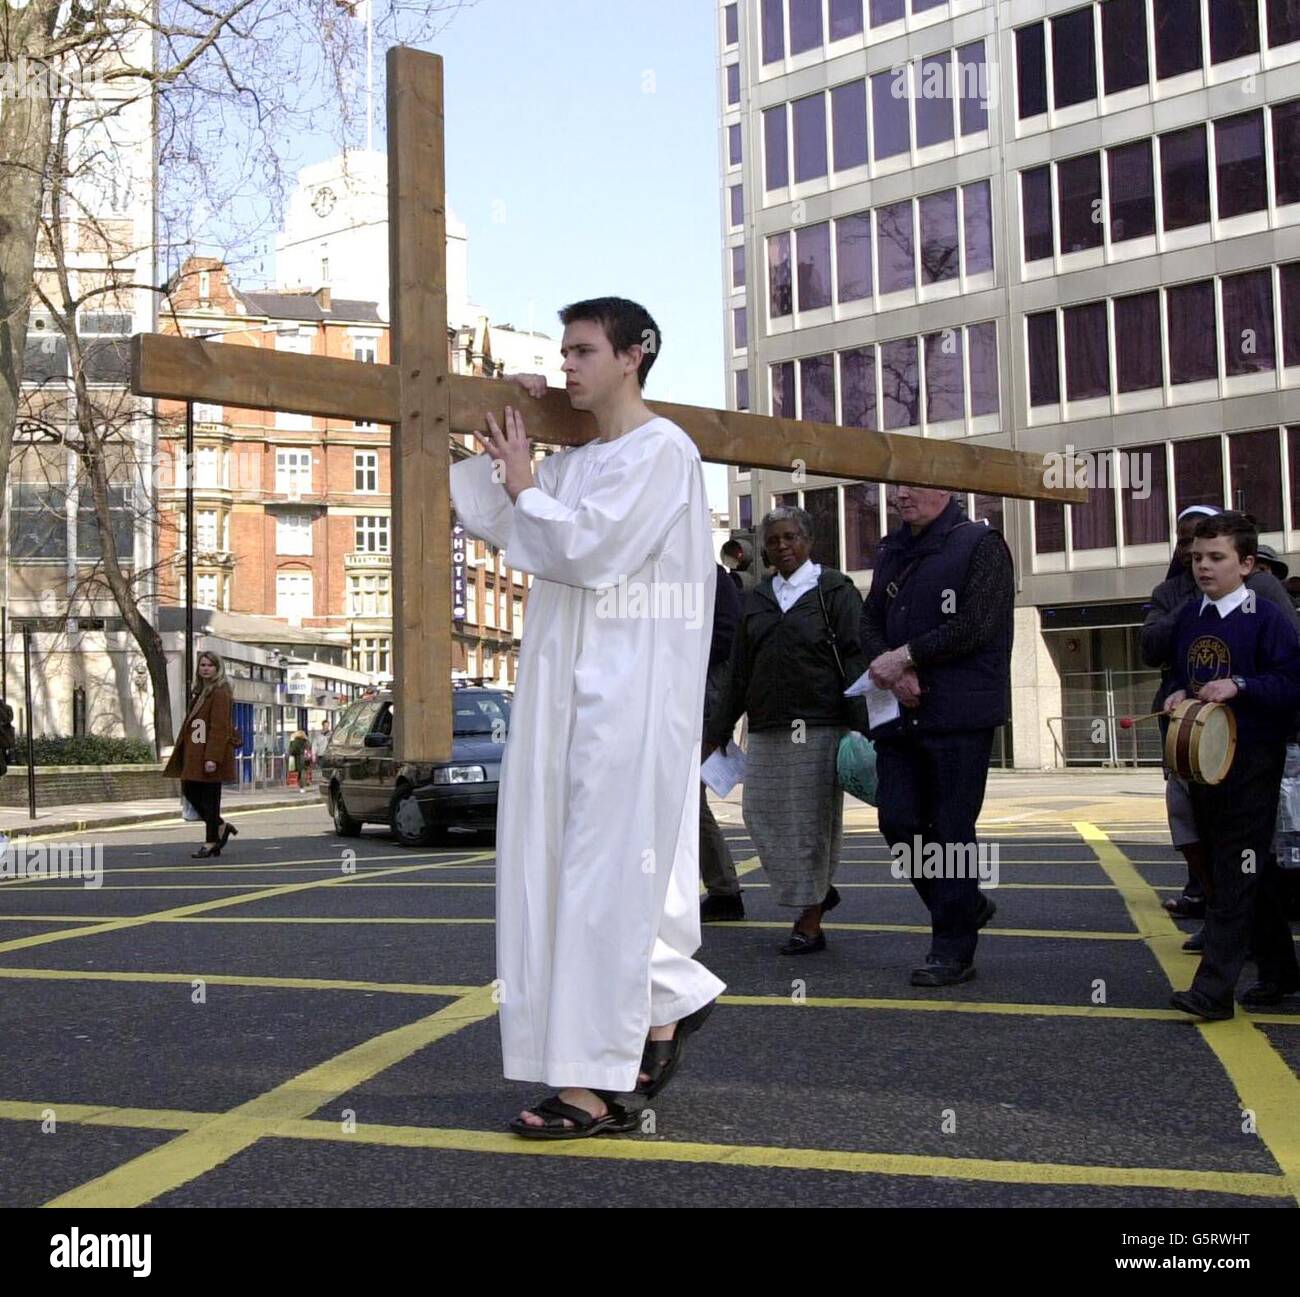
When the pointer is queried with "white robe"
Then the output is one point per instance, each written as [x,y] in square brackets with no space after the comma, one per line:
[598,818]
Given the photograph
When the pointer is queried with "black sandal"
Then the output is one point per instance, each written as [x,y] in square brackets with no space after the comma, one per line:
[554,1111]
[661,1058]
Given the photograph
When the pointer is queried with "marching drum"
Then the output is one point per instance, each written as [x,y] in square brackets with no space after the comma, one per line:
[1201,741]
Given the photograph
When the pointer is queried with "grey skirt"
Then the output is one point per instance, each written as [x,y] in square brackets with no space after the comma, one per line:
[794,810]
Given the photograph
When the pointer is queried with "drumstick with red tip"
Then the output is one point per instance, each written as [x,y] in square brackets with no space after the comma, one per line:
[1127,722]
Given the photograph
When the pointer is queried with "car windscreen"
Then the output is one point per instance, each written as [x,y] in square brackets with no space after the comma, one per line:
[476,713]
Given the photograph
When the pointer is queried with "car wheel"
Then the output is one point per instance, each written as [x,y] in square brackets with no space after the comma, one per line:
[409,826]
[344,825]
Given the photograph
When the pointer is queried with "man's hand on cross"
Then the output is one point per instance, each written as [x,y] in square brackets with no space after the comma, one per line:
[533,384]
[510,448]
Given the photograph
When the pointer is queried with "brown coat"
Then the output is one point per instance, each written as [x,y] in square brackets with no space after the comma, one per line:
[216,711]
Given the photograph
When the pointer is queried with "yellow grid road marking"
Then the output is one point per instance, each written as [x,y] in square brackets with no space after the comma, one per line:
[1262,1079]
[213,1138]
[232,979]
[223,1135]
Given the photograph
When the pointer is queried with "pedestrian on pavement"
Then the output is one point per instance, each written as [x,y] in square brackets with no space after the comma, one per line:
[320,740]
[1243,652]
[1168,600]
[736,560]
[937,626]
[298,755]
[598,873]
[204,755]
[717,868]
[784,674]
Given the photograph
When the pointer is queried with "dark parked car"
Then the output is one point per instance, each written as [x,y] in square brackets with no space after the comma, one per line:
[363,783]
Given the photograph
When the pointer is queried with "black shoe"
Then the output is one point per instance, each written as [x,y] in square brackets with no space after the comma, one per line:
[228,831]
[720,909]
[942,972]
[1200,1006]
[1186,907]
[1267,992]
[802,944]
[204,852]
[1195,943]
[986,910]
[833,898]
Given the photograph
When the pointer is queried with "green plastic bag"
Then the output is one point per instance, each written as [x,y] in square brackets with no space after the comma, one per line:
[855,766]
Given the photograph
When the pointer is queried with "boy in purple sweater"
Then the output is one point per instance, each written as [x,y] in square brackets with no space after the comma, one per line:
[1233,648]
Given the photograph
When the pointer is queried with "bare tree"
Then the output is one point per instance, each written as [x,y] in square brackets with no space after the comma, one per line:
[224,89]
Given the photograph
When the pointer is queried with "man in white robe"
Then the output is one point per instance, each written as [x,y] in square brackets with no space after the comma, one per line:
[598,818]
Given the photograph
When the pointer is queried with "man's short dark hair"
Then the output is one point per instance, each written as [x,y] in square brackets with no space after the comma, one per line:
[1240,527]
[626,325]
[733,548]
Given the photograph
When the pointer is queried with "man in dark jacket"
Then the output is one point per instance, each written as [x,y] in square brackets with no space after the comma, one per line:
[717,868]
[936,626]
[1157,647]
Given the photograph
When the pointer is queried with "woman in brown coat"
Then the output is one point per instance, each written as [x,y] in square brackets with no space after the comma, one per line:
[204,755]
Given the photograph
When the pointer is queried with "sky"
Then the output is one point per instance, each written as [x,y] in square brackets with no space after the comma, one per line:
[582,156]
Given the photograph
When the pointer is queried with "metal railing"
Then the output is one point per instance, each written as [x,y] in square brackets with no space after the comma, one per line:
[1090,733]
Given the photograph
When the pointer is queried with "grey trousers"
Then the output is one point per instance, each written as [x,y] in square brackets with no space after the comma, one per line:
[717,868]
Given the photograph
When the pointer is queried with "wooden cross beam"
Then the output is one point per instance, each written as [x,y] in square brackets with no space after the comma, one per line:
[425,404]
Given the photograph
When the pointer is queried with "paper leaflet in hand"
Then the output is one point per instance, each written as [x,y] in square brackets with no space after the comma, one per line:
[723,770]
[882,705]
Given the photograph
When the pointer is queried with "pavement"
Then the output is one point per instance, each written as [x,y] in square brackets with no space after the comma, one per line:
[308,1021]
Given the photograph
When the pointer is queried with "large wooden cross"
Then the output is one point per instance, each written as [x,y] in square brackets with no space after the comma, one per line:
[425,404]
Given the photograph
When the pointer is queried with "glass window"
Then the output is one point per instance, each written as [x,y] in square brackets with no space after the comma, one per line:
[1132,191]
[977,217]
[731,29]
[1087,360]
[745,509]
[776,162]
[122,512]
[1124,44]
[853,257]
[773,24]
[740,328]
[817,389]
[933,104]
[783,390]
[742,389]
[945,398]
[1286,150]
[1031,71]
[939,255]
[737,205]
[895,256]
[1049,527]
[920,6]
[1036,199]
[989,509]
[1293,472]
[1290,276]
[1178,36]
[858,388]
[982,340]
[733,145]
[293,595]
[890,131]
[1092,525]
[1074,68]
[849,125]
[1185,178]
[780,301]
[738,267]
[371,534]
[845,18]
[886,11]
[1255,462]
[1283,22]
[1078,187]
[365,471]
[973,88]
[900,382]
[1144,495]
[1239,163]
[813,253]
[805,25]
[1137,342]
[1248,322]
[1198,472]
[1234,29]
[292,472]
[733,84]
[293,533]
[809,137]
[861,525]
[1044,368]
[1190,319]
[824,505]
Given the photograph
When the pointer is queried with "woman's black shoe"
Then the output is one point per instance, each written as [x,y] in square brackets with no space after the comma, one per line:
[205,851]
[801,943]
[228,832]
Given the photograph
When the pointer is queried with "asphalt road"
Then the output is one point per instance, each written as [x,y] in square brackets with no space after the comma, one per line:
[308,1021]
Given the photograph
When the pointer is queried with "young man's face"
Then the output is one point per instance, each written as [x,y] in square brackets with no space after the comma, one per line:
[593,373]
[1217,567]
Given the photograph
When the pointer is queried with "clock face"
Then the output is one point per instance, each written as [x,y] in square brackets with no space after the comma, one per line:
[323,203]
